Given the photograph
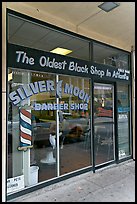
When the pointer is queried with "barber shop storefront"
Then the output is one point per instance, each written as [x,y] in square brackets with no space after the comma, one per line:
[68,105]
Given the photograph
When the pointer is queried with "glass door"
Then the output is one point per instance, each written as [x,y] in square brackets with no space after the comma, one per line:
[103,123]
[123,105]
[74,124]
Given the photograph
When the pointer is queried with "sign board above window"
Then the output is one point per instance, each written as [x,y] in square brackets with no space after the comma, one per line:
[32,59]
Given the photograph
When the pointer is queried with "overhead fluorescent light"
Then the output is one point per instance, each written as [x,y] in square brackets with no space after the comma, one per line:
[61,51]
[10,76]
[108,6]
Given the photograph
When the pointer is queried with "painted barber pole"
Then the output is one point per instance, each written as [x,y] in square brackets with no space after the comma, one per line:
[25,129]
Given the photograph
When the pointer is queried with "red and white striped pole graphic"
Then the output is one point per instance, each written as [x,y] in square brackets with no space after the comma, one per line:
[25,129]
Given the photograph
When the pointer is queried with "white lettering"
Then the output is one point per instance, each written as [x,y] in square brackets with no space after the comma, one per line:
[50,85]
[116,74]
[14,97]
[28,90]
[59,89]
[25,58]
[19,53]
[95,71]
[46,62]
[79,106]
[34,87]
[77,68]
[21,93]
[42,61]
[42,86]
[50,106]
[68,88]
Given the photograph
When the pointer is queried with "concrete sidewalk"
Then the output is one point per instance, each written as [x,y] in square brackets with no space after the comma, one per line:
[111,184]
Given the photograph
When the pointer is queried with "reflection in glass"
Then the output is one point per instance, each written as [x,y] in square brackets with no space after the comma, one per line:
[104,54]
[103,123]
[42,154]
[32,126]
[21,32]
[75,126]
[123,120]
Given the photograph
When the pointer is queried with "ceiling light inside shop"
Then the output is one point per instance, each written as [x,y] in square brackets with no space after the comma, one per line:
[61,51]
[10,76]
[108,6]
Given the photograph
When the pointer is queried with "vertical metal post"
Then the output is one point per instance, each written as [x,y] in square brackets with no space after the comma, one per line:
[92,125]
[26,154]
[113,123]
[4,102]
[116,123]
[133,97]
[57,130]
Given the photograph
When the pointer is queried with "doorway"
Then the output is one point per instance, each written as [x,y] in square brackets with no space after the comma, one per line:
[103,123]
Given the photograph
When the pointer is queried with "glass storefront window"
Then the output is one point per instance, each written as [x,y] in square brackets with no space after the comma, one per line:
[32,126]
[33,35]
[110,56]
[123,120]
[29,127]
